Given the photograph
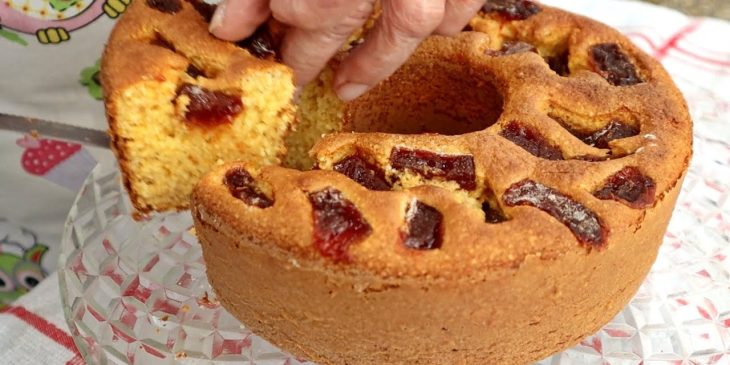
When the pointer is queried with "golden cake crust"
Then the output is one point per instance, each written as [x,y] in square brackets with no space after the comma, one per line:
[512,315]
[507,293]
[531,91]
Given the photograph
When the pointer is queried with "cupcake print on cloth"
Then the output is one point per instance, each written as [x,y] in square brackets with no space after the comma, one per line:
[63,163]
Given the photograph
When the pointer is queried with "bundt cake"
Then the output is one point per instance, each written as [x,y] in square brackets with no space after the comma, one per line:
[499,198]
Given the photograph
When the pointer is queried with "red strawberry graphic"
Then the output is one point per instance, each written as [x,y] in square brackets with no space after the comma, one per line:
[41,155]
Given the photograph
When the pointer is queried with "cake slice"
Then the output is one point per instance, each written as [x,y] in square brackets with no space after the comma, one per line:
[179,101]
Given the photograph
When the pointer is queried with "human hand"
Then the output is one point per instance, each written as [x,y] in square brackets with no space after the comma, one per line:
[320,27]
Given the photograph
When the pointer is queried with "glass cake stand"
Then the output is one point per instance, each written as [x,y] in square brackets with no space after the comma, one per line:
[136,291]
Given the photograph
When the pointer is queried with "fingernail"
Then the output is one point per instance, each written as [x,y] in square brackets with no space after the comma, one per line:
[351,91]
[217,20]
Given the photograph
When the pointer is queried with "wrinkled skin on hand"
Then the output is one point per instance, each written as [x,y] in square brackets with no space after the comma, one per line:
[318,28]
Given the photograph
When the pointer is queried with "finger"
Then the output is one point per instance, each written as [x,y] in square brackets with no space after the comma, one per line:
[307,51]
[457,15]
[234,20]
[313,14]
[403,25]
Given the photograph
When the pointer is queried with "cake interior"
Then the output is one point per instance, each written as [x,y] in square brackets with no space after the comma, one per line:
[427,95]
[181,152]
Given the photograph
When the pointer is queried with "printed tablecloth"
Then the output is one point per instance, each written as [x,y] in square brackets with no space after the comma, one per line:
[49,69]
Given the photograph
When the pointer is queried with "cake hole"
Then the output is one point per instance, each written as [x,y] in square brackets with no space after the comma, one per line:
[440,96]
[457,168]
[531,141]
[559,63]
[630,187]
[492,215]
[158,41]
[492,212]
[582,222]
[338,224]
[194,72]
[424,229]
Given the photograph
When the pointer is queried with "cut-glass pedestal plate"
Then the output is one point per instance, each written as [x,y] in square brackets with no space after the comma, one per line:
[135,291]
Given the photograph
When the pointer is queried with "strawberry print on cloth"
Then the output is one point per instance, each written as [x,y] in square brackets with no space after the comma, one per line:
[63,163]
